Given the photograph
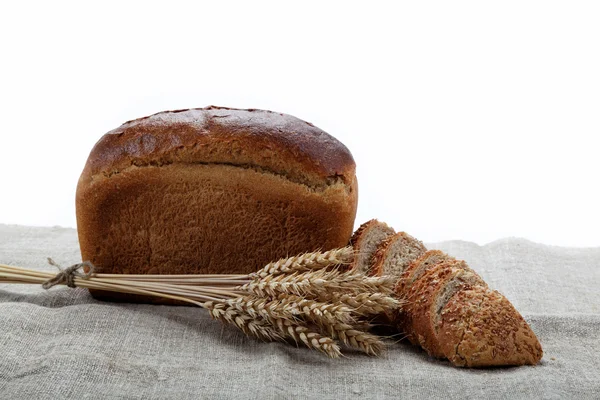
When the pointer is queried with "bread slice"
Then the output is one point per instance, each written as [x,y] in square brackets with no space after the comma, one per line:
[418,268]
[365,241]
[480,328]
[395,253]
[429,294]
[213,190]
[403,319]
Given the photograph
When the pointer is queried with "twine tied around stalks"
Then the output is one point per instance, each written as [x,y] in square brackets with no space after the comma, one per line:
[67,275]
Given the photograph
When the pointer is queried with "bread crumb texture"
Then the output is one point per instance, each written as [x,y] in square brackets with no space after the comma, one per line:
[366,240]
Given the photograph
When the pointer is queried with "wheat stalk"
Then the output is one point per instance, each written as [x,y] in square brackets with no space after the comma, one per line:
[304,298]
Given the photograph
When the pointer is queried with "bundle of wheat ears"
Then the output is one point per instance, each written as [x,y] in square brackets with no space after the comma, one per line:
[310,298]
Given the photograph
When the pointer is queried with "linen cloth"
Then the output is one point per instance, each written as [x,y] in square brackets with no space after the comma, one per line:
[62,343]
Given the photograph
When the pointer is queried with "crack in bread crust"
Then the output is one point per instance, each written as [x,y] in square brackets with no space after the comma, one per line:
[330,181]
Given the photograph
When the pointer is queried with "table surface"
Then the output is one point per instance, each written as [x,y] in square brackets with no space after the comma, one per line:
[62,343]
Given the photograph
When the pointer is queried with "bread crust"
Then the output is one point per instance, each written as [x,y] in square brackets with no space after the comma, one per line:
[455,320]
[380,255]
[213,191]
[481,328]
[358,234]
[259,139]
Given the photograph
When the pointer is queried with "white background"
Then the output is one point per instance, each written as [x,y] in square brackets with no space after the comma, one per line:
[467,120]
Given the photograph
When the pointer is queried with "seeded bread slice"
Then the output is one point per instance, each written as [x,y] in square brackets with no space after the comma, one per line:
[395,253]
[429,294]
[365,242]
[403,319]
[418,268]
[480,328]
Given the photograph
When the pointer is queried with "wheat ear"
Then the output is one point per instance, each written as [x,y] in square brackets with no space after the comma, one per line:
[357,338]
[364,303]
[293,308]
[306,262]
[272,328]
[246,323]
[317,282]
[311,339]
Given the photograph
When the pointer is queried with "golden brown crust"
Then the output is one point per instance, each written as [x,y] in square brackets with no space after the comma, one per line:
[420,293]
[455,319]
[210,219]
[498,335]
[481,328]
[172,193]
[258,139]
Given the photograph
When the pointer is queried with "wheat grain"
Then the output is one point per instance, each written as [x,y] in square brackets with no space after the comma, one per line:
[317,282]
[357,338]
[316,311]
[364,303]
[305,262]
[246,323]
[293,307]
[311,339]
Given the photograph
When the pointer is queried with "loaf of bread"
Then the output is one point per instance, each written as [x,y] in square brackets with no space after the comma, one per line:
[213,190]
[450,311]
